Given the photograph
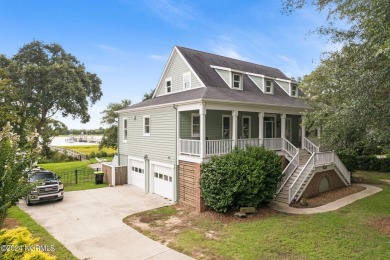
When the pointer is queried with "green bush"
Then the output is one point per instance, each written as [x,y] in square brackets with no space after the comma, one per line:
[355,162]
[241,178]
[349,159]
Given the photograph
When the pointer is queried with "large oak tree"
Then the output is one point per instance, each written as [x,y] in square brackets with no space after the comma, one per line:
[349,92]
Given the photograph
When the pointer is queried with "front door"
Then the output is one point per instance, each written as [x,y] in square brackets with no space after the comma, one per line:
[288,129]
[269,127]
[226,127]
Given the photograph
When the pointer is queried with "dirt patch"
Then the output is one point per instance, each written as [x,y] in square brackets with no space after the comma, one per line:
[327,197]
[382,225]
[10,223]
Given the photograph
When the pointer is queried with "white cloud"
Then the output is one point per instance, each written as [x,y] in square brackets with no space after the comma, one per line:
[107,48]
[158,57]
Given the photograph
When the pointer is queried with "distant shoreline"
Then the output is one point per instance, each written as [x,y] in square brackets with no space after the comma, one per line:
[62,141]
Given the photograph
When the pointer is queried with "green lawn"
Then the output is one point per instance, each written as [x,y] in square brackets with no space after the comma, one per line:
[67,169]
[37,231]
[356,231]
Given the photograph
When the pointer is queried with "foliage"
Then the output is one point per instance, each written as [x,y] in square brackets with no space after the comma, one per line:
[148,95]
[110,137]
[96,150]
[14,161]
[349,91]
[241,178]
[355,162]
[21,237]
[55,157]
[48,81]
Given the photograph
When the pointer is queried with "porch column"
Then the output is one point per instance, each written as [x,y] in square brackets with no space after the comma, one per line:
[283,126]
[234,130]
[261,127]
[202,115]
[303,134]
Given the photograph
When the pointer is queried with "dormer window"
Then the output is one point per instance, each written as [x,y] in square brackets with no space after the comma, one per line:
[268,87]
[168,85]
[187,80]
[237,81]
[294,90]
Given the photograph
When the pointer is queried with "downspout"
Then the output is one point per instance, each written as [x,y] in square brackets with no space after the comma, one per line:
[176,175]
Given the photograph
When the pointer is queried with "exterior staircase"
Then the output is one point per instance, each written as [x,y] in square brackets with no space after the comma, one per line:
[283,195]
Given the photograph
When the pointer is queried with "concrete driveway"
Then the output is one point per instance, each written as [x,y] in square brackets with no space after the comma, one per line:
[89,223]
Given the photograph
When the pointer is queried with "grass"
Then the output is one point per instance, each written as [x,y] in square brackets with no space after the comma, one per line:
[66,168]
[38,231]
[87,149]
[351,232]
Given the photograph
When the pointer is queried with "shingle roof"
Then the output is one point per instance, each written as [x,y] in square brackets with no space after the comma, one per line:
[217,89]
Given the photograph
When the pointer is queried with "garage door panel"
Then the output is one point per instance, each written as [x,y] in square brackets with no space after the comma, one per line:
[137,171]
[163,181]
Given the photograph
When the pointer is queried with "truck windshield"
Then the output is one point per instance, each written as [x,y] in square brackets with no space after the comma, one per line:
[43,176]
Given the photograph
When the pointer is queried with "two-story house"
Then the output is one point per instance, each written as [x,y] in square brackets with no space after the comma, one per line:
[205,104]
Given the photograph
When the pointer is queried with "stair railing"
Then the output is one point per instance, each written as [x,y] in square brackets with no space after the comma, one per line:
[297,184]
[290,168]
[310,146]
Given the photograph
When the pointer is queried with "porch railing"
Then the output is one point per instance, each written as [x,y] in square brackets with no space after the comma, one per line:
[242,143]
[273,143]
[190,147]
[332,158]
[289,147]
[218,146]
[310,146]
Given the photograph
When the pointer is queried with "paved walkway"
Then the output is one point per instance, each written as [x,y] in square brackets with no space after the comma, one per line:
[89,223]
[370,190]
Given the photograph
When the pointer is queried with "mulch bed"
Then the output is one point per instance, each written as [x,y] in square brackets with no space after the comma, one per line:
[10,223]
[328,196]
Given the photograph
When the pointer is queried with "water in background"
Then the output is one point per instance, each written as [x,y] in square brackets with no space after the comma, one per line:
[67,141]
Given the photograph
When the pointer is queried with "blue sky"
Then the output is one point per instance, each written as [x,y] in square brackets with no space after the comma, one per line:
[127,42]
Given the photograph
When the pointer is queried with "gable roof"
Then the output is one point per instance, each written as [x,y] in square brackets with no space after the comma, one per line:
[216,88]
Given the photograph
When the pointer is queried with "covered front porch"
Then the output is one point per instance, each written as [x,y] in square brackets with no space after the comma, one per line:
[205,129]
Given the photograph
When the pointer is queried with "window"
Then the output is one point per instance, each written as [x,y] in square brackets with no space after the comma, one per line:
[294,90]
[268,87]
[187,80]
[226,126]
[168,85]
[146,125]
[246,127]
[195,125]
[125,130]
[237,81]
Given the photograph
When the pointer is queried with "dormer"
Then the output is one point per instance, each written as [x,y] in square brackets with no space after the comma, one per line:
[293,90]
[233,78]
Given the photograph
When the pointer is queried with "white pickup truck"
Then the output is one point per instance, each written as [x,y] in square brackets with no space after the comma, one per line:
[47,187]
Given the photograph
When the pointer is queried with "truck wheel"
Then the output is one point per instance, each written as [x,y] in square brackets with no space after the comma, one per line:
[28,201]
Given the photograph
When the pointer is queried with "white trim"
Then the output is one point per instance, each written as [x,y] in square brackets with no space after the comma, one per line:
[189,66]
[124,140]
[274,116]
[169,79]
[254,74]
[250,126]
[296,90]
[190,158]
[167,165]
[227,83]
[285,80]
[192,125]
[143,125]
[265,86]
[287,92]
[185,74]
[189,107]
[167,65]
[254,82]
[240,85]
[227,69]
[250,107]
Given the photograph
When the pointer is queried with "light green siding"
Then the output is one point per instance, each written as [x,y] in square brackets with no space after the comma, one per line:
[259,81]
[160,145]
[185,124]
[284,85]
[225,75]
[254,124]
[175,70]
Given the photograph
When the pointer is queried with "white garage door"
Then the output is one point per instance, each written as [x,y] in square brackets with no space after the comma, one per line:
[137,173]
[163,181]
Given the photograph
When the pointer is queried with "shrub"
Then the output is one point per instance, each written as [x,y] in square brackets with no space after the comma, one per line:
[21,237]
[349,159]
[241,178]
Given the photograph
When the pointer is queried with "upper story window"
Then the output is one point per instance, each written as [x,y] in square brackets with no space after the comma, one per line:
[125,130]
[237,81]
[146,125]
[187,80]
[294,90]
[268,87]
[168,85]
[195,125]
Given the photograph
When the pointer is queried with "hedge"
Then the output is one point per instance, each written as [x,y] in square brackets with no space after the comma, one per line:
[241,178]
[364,162]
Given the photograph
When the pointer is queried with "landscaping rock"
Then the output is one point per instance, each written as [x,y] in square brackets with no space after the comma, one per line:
[247,209]
[240,215]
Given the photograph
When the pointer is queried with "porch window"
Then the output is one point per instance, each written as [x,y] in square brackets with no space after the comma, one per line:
[237,81]
[268,86]
[187,80]
[146,125]
[246,127]
[124,130]
[168,85]
[226,126]
[269,127]
[195,125]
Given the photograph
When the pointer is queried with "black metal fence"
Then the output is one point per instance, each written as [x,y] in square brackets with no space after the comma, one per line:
[78,176]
